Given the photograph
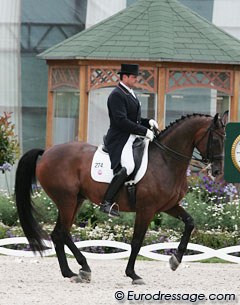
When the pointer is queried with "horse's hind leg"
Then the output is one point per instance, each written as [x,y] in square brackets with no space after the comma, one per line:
[180,213]
[85,271]
[58,237]
[61,236]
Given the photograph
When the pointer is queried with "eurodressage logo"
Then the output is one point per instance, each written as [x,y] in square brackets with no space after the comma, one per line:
[186,297]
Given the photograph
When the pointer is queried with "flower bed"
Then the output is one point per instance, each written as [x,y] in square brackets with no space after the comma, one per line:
[214,207]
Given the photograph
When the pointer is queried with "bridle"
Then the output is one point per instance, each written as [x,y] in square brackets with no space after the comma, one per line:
[209,157]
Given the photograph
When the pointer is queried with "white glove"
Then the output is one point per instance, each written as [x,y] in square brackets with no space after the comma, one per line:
[150,135]
[153,123]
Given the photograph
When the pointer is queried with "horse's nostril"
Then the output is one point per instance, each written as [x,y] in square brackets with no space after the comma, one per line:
[216,172]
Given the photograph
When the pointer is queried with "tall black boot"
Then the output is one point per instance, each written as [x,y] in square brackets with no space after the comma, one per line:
[113,188]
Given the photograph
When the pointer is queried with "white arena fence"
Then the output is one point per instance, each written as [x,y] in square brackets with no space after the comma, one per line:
[146,251]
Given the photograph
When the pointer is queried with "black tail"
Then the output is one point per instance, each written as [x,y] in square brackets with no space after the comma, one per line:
[25,177]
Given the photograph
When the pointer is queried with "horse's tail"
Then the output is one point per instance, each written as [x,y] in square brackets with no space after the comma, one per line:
[25,177]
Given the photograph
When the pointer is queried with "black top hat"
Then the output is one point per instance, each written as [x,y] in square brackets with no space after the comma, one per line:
[129,69]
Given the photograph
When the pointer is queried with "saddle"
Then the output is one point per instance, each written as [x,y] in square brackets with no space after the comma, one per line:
[101,166]
[138,150]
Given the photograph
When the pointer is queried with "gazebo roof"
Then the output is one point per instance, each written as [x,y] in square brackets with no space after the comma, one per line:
[151,30]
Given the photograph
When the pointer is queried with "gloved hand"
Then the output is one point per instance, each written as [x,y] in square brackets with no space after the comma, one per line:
[153,123]
[150,135]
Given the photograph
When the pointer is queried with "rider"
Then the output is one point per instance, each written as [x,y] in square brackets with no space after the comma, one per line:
[125,125]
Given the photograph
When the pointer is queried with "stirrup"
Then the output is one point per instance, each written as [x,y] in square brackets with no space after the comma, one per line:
[110,210]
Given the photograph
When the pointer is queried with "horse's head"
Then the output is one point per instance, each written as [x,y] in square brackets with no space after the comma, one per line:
[210,143]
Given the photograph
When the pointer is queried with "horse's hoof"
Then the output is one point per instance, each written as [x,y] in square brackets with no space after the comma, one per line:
[173,262]
[85,276]
[76,279]
[138,282]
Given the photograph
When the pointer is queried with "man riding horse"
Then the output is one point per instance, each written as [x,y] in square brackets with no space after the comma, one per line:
[126,124]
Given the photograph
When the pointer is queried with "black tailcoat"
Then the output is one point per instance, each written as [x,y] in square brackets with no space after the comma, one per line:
[125,118]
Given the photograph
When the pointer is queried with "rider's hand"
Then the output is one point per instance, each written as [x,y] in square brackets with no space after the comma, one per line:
[150,134]
[153,123]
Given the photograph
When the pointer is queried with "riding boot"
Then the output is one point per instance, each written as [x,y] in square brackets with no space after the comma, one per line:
[113,188]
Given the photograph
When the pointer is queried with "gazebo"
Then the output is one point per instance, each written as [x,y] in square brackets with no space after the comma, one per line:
[175,48]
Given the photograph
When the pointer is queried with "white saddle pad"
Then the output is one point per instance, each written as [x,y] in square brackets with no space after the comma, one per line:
[101,166]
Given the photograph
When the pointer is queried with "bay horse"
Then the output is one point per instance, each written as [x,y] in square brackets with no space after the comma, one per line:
[64,173]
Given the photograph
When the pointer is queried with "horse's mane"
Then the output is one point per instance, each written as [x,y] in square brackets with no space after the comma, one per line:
[175,123]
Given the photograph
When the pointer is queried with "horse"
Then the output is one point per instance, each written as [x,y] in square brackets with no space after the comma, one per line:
[63,171]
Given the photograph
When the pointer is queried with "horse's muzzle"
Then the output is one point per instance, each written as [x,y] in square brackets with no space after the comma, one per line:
[217,169]
[216,172]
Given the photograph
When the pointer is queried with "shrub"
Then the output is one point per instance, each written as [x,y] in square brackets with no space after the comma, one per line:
[8,211]
[9,146]
[214,206]
[216,239]
[207,215]
[90,214]
[46,210]
[208,190]
[3,230]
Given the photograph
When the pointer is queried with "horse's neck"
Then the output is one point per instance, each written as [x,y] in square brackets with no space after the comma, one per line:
[181,137]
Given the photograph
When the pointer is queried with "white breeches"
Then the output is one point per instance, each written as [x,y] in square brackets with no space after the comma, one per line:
[127,160]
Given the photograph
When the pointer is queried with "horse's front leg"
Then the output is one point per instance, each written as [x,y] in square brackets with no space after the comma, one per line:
[180,213]
[142,221]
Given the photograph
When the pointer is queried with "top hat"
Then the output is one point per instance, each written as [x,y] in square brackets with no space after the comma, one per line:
[129,69]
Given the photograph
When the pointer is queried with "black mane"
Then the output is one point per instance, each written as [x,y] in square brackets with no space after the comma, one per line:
[184,117]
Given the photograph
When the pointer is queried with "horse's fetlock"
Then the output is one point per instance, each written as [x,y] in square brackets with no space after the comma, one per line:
[179,255]
[67,273]
[129,272]
[84,264]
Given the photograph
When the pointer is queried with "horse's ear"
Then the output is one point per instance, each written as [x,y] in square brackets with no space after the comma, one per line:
[216,120]
[224,117]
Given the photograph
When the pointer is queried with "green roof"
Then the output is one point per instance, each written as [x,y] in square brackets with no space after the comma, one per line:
[151,30]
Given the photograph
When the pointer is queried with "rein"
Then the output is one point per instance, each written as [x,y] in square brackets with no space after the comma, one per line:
[176,155]
[209,158]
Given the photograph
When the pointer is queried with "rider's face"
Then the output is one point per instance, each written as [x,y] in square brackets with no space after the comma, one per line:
[129,80]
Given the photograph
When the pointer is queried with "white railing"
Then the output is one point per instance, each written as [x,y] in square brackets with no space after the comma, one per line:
[146,251]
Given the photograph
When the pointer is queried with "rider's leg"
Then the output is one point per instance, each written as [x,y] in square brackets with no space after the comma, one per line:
[127,167]
[113,188]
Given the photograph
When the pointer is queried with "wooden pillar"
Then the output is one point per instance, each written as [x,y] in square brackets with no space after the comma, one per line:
[235,98]
[50,112]
[83,104]
[161,97]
